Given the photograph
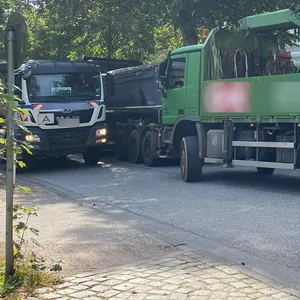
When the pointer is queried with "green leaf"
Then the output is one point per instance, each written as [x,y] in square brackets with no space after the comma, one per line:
[21,164]
[26,190]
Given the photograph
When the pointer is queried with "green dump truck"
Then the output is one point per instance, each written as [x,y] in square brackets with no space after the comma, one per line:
[233,100]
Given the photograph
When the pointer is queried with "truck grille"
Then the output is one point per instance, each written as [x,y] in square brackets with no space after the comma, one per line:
[62,138]
[84,116]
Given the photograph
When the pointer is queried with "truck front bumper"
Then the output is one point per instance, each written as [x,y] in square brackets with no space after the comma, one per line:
[64,141]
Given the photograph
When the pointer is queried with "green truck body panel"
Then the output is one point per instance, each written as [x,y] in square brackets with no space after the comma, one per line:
[282,19]
[212,95]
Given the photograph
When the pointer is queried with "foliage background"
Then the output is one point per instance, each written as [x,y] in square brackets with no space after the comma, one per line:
[130,29]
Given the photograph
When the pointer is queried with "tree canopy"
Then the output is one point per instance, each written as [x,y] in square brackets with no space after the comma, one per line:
[131,29]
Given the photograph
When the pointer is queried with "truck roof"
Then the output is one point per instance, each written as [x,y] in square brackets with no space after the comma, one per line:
[186,49]
[54,66]
[280,19]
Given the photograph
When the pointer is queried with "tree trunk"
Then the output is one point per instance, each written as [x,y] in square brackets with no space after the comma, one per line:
[188,28]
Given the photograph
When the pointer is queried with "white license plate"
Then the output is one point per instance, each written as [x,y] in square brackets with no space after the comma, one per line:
[68,122]
[46,118]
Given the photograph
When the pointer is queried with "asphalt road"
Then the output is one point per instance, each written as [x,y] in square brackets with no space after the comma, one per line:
[236,213]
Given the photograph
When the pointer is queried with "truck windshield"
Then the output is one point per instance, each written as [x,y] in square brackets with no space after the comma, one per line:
[63,87]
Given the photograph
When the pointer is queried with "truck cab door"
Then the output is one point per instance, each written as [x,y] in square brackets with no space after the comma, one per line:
[174,97]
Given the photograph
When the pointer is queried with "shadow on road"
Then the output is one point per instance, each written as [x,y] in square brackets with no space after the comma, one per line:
[280,181]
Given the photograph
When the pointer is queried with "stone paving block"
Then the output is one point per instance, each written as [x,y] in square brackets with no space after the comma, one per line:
[228,280]
[170,287]
[255,295]
[137,297]
[178,296]
[100,280]
[83,294]
[230,289]
[212,280]
[139,280]
[90,283]
[268,291]
[63,285]
[156,297]
[238,294]
[124,286]
[184,290]
[79,287]
[86,274]
[142,288]
[229,271]
[50,296]
[202,293]
[241,276]
[79,280]
[99,288]
[66,291]
[124,277]
[280,295]
[216,286]
[112,282]
[157,283]
[199,298]
[160,292]
[109,293]
[239,284]
[248,290]
[259,286]
[221,275]
[251,281]
[219,295]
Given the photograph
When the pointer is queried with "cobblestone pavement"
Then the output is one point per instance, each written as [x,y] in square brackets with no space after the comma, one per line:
[184,274]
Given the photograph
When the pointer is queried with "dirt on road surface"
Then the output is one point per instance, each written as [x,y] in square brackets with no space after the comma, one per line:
[82,237]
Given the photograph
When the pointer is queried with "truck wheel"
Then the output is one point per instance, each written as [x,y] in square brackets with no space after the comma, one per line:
[265,171]
[148,149]
[190,164]
[91,156]
[133,147]
[121,146]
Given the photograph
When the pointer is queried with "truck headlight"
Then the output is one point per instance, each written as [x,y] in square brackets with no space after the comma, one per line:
[30,138]
[101,132]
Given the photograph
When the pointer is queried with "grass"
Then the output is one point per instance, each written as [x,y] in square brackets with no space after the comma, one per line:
[25,280]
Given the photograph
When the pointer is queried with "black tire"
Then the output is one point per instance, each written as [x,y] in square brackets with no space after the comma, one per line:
[92,156]
[134,147]
[149,150]
[121,146]
[265,171]
[190,164]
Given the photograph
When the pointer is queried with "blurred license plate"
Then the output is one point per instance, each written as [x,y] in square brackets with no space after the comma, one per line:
[68,122]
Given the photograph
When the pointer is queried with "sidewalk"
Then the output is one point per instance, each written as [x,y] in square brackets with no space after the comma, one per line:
[105,258]
[183,274]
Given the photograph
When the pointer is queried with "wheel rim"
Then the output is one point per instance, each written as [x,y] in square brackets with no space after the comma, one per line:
[183,162]
[147,149]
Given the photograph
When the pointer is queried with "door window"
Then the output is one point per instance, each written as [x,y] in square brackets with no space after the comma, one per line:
[176,72]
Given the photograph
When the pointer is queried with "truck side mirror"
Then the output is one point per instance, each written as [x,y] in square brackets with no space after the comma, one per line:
[26,75]
[110,84]
[163,69]
[162,88]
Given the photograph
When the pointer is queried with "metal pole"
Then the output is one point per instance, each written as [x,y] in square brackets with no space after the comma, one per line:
[9,253]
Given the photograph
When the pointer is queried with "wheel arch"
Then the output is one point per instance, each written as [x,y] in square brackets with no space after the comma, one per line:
[184,126]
